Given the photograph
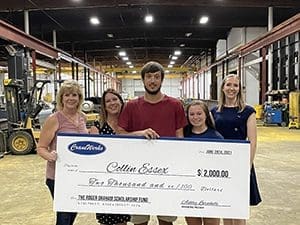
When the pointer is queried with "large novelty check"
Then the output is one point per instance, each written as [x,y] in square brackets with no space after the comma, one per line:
[208,178]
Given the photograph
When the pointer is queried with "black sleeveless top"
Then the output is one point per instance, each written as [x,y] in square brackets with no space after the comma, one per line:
[110,219]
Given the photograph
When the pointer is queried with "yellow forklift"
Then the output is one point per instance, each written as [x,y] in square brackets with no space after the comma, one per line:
[21,113]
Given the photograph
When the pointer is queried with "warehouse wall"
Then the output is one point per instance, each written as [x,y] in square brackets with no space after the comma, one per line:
[237,37]
[135,87]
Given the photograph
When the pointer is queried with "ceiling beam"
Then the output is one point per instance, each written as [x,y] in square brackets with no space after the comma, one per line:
[283,30]
[55,4]
[10,33]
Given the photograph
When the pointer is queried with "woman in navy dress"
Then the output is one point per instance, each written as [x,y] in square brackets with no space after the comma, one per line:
[111,106]
[236,120]
[200,125]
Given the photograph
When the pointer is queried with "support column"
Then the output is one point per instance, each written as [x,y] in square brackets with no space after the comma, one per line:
[27,52]
[270,54]
[214,85]
[85,76]
[26,21]
[263,75]
[57,65]
[54,38]
[55,77]
[33,64]
[73,70]
[95,79]
[77,72]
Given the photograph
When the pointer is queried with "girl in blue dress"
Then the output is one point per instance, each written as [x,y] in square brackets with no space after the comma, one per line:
[200,125]
[236,120]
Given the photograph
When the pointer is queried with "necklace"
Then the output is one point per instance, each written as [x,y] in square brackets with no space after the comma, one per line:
[113,125]
[74,121]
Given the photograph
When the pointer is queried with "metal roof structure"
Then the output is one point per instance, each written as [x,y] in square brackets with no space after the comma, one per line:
[122,27]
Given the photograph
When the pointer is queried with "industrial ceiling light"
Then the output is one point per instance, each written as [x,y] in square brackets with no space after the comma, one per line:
[170,66]
[128,63]
[182,45]
[174,57]
[94,20]
[125,58]
[131,66]
[118,46]
[122,53]
[203,20]
[188,34]
[148,18]
[110,35]
[178,52]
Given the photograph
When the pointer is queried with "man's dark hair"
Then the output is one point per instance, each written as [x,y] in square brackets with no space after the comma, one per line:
[152,67]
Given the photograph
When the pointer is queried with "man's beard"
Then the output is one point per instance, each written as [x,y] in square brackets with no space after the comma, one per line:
[152,92]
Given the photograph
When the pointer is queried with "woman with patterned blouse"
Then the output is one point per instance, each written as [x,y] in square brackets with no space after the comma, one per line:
[111,106]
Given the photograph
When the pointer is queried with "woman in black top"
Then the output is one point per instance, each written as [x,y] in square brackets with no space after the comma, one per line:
[111,106]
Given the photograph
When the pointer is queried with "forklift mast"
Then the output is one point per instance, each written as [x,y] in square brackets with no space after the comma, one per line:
[34,102]
[12,93]
[18,68]
[21,100]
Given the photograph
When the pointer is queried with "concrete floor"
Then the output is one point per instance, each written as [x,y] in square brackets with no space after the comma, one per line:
[25,199]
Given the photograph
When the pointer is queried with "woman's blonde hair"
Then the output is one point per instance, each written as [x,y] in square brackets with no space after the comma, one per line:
[240,98]
[69,86]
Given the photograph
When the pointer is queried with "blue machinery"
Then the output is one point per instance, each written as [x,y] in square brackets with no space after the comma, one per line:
[285,113]
[276,114]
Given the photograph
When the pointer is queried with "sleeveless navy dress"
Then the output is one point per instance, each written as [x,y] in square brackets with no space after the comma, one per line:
[232,124]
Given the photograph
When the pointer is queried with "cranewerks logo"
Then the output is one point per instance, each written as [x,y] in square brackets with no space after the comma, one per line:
[86,147]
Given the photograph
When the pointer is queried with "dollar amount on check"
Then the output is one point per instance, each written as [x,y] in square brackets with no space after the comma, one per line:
[180,177]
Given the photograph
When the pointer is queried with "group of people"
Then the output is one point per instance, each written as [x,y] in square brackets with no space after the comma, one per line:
[153,115]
